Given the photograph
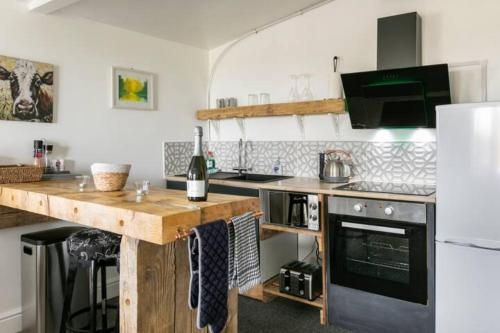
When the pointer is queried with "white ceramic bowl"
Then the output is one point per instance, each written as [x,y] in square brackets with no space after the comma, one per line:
[110,168]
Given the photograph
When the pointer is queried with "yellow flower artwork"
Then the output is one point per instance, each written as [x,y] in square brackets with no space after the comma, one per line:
[133,89]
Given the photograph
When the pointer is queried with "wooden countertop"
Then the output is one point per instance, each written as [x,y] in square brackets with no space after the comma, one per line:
[314,185]
[156,218]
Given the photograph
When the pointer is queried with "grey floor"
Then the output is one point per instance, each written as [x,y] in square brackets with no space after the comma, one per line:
[280,316]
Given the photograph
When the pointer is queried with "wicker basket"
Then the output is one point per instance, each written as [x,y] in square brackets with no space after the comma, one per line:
[20,174]
[110,181]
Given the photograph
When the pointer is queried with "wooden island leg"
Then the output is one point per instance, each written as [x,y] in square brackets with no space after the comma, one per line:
[154,286]
[147,287]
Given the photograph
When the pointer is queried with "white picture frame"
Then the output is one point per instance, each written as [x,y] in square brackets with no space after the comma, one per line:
[133,89]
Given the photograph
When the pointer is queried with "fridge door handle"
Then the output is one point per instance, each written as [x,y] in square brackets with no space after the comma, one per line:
[466,244]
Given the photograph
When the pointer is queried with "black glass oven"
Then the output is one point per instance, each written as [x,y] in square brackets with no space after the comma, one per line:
[379,256]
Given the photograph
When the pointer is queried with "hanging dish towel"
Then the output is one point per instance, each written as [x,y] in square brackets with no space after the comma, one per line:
[208,284]
[244,265]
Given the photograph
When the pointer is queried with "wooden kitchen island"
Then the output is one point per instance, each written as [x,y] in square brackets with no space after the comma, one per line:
[153,265]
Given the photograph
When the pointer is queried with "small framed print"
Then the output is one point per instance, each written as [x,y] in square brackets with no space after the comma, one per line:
[133,89]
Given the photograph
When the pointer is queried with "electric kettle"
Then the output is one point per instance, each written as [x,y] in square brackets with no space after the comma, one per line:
[335,166]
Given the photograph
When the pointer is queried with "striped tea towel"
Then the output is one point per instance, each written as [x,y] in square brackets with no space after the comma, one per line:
[244,266]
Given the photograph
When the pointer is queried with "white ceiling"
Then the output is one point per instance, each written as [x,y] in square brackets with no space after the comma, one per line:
[201,23]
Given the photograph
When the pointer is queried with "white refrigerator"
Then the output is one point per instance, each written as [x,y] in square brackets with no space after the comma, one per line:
[468,218]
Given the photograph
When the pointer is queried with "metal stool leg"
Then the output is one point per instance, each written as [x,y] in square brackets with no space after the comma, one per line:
[93,295]
[104,315]
[68,292]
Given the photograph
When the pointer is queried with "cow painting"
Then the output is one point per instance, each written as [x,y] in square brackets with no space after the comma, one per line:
[26,90]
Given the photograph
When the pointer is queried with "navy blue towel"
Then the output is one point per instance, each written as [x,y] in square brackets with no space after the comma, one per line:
[208,285]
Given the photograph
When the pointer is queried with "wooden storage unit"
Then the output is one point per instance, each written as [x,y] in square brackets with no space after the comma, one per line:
[271,287]
[272,110]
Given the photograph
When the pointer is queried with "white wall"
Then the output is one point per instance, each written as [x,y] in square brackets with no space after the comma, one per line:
[85,126]
[452,31]
[87,129]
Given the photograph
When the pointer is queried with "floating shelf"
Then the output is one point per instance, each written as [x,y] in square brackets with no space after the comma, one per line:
[272,110]
[272,287]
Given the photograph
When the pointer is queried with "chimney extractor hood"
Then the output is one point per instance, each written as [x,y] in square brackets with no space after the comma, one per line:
[399,41]
[401,93]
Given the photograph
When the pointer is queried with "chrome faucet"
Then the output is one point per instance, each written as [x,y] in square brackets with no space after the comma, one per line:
[241,166]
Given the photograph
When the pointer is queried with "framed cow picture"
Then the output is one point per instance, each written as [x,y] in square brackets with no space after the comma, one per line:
[26,90]
[133,89]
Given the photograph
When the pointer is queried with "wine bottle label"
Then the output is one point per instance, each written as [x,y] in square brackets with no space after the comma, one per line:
[196,188]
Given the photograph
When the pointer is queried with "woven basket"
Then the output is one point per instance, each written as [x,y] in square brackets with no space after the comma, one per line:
[20,174]
[110,181]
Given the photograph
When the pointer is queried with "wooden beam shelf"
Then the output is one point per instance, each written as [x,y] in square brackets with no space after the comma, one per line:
[272,287]
[272,110]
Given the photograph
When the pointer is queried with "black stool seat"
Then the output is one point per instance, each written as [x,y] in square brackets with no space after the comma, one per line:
[93,249]
[92,244]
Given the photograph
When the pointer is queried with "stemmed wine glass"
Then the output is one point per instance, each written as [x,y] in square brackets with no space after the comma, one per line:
[307,94]
[294,96]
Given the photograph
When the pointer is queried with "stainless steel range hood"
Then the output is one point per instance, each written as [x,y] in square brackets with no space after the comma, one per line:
[401,93]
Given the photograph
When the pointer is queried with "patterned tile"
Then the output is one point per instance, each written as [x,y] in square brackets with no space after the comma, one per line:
[412,162]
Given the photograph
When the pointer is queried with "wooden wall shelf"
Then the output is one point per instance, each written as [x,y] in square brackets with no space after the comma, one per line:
[272,110]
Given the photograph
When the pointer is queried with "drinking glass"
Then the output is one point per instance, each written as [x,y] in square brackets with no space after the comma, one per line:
[265,98]
[142,187]
[307,94]
[293,95]
[253,99]
[81,182]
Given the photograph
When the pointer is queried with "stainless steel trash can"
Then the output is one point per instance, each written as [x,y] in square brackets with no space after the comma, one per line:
[44,267]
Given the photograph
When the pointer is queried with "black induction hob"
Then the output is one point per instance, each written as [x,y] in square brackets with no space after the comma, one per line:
[392,188]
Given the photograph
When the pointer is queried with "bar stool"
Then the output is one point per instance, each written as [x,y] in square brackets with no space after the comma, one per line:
[94,250]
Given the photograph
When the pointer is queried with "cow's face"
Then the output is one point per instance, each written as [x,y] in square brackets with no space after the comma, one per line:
[25,85]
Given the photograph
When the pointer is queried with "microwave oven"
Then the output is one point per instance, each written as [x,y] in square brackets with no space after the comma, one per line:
[293,209]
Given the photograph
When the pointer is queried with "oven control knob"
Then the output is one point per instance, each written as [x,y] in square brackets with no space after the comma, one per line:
[389,210]
[313,217]
[313,206]
[358,207]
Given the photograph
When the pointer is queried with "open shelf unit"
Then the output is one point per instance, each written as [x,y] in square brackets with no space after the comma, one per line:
[272,110]
[272,287]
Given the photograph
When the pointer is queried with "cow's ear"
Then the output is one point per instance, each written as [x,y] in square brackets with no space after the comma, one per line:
[48,78]
[4,74]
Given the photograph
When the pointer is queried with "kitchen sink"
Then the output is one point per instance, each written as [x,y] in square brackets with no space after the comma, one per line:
[245,177]
[258,178]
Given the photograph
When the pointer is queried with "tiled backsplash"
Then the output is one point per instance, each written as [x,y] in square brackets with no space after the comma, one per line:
[413,162]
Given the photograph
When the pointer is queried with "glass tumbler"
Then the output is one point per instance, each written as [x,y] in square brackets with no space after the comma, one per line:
[265,98]
[82,182]
[253,99]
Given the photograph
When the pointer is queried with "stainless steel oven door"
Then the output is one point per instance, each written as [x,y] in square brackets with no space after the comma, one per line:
[379,256]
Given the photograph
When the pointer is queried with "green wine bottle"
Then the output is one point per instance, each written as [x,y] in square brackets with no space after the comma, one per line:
[197,175]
